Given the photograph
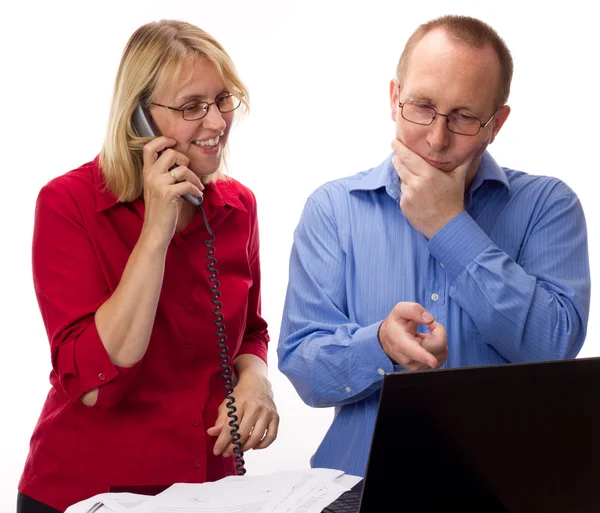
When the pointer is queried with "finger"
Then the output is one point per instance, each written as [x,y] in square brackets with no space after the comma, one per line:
[258,432]
[411,160]
[406,175]
[215,430]
[438,330]
[416,352]
[169,159]
[224,438]
[183,173]
[460,172]
[406,347]
[152,149]
[181,188]
[406,311]
[247,421]
[270,435]
[223,441]
[437,347]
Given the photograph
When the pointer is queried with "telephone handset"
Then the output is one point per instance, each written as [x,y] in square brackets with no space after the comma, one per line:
[144,127]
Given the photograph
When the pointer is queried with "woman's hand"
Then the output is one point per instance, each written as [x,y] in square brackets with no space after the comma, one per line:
[256,411]
[164,187]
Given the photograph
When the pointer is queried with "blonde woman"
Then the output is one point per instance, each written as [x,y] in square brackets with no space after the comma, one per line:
[136,326]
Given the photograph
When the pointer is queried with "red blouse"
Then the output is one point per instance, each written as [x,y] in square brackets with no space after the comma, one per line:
[149,424]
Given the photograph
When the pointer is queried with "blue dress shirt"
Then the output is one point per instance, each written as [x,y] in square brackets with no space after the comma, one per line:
[508,278]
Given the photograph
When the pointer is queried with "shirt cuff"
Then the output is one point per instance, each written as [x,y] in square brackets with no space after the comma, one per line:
[111,393]
[83,364]
[368,348]
[257,347]
[452,256]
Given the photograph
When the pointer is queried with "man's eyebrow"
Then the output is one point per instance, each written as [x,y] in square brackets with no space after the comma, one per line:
[464,107]
[421,97]
[425,98]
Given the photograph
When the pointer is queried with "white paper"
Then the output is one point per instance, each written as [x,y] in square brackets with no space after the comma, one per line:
[113,503]
[316,493]
[303,491]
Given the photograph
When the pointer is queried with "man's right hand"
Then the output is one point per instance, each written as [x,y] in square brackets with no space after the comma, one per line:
[414,351]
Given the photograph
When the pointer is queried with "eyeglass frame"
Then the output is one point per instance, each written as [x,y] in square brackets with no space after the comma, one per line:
[436,113]
[208,105]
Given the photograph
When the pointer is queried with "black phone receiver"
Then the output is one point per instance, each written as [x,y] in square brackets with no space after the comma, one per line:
[144,127]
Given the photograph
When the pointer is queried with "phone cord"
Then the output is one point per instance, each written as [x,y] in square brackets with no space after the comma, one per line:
[221,338]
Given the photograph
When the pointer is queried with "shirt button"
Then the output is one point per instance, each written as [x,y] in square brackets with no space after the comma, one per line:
[197,463]
[184,301]
[187,345]
[195,423]
[434,297]
[185,383]
[102,376]
[348,389]
[381,372]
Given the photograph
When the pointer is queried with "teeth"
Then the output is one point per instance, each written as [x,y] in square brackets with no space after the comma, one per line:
[211,143]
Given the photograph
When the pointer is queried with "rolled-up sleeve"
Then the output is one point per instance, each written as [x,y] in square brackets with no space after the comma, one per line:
[70,287]
[256,337]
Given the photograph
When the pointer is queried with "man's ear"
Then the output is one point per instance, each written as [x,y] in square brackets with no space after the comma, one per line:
[394,98]
[501,117]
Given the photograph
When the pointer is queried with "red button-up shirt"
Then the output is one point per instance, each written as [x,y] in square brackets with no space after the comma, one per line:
[149,424]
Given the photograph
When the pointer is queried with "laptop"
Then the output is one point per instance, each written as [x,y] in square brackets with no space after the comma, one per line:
[518,438]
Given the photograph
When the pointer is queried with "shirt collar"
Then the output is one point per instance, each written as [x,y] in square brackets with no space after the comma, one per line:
[220,193]
[377,177]
[489,171]
[385,176]
[224,192]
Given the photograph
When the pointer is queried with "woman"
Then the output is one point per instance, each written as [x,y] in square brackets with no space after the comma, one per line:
[120,272]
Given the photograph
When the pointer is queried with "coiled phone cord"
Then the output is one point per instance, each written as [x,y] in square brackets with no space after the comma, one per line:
[222,338]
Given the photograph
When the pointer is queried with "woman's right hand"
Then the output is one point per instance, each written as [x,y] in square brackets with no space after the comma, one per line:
[163,189]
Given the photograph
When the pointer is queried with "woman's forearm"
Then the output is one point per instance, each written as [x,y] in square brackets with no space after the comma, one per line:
[124,322]
[249,363]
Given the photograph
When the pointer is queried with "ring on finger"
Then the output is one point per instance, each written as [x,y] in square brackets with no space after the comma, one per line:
[173,176]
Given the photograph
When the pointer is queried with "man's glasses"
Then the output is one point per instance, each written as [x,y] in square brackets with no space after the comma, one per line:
[457,122]
[198,110]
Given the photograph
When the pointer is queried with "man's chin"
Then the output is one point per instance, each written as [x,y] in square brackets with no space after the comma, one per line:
[446,167]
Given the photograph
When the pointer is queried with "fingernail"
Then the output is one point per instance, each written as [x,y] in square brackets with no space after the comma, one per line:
[427,317]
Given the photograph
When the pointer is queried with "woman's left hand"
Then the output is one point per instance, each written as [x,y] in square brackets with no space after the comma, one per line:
[257,415]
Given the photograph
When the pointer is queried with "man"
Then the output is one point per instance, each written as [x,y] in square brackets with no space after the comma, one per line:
[438,257]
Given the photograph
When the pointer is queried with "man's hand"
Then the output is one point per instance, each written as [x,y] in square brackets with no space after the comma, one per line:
[414,351]
[430,197]
[257,416]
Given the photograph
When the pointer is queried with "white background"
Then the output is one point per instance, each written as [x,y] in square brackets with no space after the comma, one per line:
[318,75]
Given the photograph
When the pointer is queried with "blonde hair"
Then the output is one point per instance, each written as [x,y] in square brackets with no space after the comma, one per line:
[153,55]
[472,32]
